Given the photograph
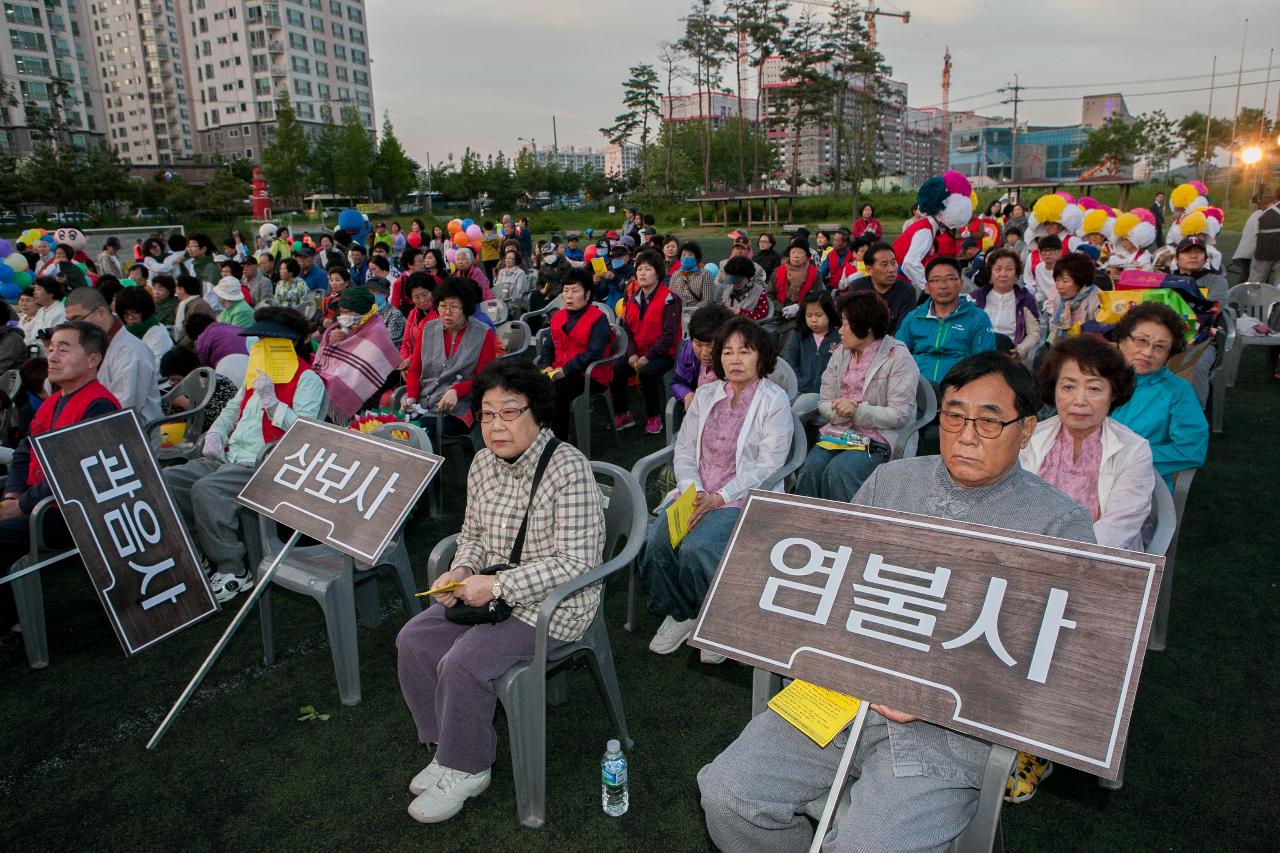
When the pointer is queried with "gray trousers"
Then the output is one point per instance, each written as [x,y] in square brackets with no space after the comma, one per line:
[754,794]
[1267,272]
[204,491]
[446,675]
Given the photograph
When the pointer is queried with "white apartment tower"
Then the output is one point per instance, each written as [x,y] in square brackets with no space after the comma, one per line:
[47,65]
[245,54]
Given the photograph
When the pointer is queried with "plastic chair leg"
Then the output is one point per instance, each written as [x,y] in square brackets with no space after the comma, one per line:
[339,608]
[28,594]
[1160,621]
[581,409]
[1217,399]
[368,607]
[633,593]
[601,662]
[524,699]
[558,688]
[268,628]
[404,576]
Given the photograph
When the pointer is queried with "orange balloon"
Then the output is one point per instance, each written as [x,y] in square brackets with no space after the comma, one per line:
[461,240]
[455,225]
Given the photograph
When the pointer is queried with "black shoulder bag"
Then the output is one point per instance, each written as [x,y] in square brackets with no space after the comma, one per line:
[497,610]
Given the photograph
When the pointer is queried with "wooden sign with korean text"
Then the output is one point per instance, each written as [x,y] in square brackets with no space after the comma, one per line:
[120,515]
[344,488]
[1028,641]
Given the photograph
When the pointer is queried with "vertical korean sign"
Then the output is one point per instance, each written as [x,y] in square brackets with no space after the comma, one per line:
[122,519]
[1028,641]
[347,489]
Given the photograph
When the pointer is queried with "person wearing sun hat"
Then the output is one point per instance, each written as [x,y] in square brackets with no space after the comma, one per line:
[259,414]
[235,311]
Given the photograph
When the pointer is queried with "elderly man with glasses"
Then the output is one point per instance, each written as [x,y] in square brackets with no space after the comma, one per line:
[945,328]
[917,783]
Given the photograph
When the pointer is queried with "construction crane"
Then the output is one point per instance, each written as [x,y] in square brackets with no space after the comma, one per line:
[946,104]
[870,14]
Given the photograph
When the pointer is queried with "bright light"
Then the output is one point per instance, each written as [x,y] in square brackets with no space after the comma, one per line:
[1251,155]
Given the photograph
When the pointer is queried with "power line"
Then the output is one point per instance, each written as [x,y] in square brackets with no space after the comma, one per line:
[1260,68]
[1128,95]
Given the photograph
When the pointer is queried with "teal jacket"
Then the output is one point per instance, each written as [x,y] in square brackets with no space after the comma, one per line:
[938,343]
[1164,410]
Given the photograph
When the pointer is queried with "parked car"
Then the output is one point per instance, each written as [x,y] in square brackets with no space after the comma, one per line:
[72,217]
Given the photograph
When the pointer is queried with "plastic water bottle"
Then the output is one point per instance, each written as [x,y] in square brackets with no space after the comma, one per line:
[613,780]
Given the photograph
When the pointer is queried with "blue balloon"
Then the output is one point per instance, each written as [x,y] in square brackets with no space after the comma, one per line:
[350,220]
[10,291]
[5,249]
[713,270]
[467,223]
[48,238]
[6,273]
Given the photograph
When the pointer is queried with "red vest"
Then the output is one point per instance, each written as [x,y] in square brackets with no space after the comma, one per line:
[573,343]
[647,329]
[903,243]
[284,393]
[72,413]
[835,265]
[780,282]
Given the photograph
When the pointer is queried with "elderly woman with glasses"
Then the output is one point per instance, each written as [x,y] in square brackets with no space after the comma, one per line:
[446,668]
[1163,409]
[1096,460]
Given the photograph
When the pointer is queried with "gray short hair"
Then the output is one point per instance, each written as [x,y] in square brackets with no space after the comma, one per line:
[471,256]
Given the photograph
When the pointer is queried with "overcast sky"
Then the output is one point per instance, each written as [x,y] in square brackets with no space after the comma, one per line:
[483,74]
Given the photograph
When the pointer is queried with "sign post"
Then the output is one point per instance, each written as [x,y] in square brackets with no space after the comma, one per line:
[121,518]
[344,488]
[1029,641]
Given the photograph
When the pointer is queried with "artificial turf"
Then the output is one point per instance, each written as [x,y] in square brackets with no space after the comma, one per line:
[239,771]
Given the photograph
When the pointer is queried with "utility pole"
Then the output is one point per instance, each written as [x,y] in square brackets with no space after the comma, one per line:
[1208,121]
[946,106]
[555,140]
[428,184]
[1235,121]
[1016,88]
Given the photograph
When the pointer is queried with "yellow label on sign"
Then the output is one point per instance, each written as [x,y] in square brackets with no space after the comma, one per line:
[678,515]
[818,712]
[273,356]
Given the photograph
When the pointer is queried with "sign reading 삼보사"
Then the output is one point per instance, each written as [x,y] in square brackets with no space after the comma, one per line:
[133,544]
[345,488]
[1029,641]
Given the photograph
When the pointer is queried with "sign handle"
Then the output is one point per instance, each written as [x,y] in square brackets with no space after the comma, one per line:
[842,774]
[222,642]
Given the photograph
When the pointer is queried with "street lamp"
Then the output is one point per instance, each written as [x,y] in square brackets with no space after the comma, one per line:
[1251,155]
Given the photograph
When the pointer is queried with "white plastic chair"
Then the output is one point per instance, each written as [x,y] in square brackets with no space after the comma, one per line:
[907,443]
[233,367]
[496,309]
[1258,301]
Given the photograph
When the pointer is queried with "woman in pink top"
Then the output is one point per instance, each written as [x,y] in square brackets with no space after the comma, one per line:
[1100,463]
[736,434]
[868,396]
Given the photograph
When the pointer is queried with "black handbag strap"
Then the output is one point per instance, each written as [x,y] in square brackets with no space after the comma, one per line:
[517,547]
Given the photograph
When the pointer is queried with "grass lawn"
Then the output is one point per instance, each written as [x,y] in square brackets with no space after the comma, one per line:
[239,771]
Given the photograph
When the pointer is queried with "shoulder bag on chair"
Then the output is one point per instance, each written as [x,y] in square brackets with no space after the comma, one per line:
[498,610]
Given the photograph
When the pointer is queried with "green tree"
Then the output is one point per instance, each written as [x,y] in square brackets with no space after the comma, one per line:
[1159,140]
[706,44]
[394,173]
[1113,146]
[355,155]
[223,196]
[285,160]
[1191,133]
[323,166]
[858,79]
[808,89]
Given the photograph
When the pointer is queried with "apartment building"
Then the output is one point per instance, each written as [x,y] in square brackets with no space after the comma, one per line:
[50,74]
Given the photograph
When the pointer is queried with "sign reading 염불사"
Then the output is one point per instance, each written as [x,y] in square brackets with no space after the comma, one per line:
[339,486]
[1028,641]
[122,519]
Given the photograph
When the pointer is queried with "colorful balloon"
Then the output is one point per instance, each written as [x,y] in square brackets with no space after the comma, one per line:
[474,232]
[467,223]
[23,279]
[455,225]
[16,262]
[5,249]
[460,240]
[10,291]
[297,245]
[6,274]
[589,253]
[414,238]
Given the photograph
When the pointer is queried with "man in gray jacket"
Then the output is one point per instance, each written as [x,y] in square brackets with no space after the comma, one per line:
[917,783]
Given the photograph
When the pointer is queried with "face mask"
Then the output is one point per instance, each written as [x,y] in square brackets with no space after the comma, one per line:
[549,260]
[379,300]
[618,263]
[346,321]
[688,264]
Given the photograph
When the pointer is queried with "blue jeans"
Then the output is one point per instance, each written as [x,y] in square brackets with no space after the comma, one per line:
[675,580]
[838,474]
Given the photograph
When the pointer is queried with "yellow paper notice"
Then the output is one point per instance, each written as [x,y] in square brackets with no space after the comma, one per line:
[599,266]
[274,357]
[678,515]
[441,590]
[818,712]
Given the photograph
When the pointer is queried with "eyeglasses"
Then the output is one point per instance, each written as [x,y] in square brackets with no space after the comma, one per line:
[1143,342]
[486,417]
[945,280]
[986,427]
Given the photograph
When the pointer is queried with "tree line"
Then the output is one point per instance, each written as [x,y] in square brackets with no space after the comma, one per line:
[1158,140]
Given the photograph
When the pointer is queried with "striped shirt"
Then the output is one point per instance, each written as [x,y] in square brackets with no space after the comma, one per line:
[565,537]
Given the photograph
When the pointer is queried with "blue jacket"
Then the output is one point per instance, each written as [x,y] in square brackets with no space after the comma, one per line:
[938,343]
[808,359]
[317,278]
[1164,410]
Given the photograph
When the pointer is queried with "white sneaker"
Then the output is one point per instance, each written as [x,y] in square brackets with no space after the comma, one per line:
[426,778]
[227,586]
[711,657]
[448,795]
[670,635]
